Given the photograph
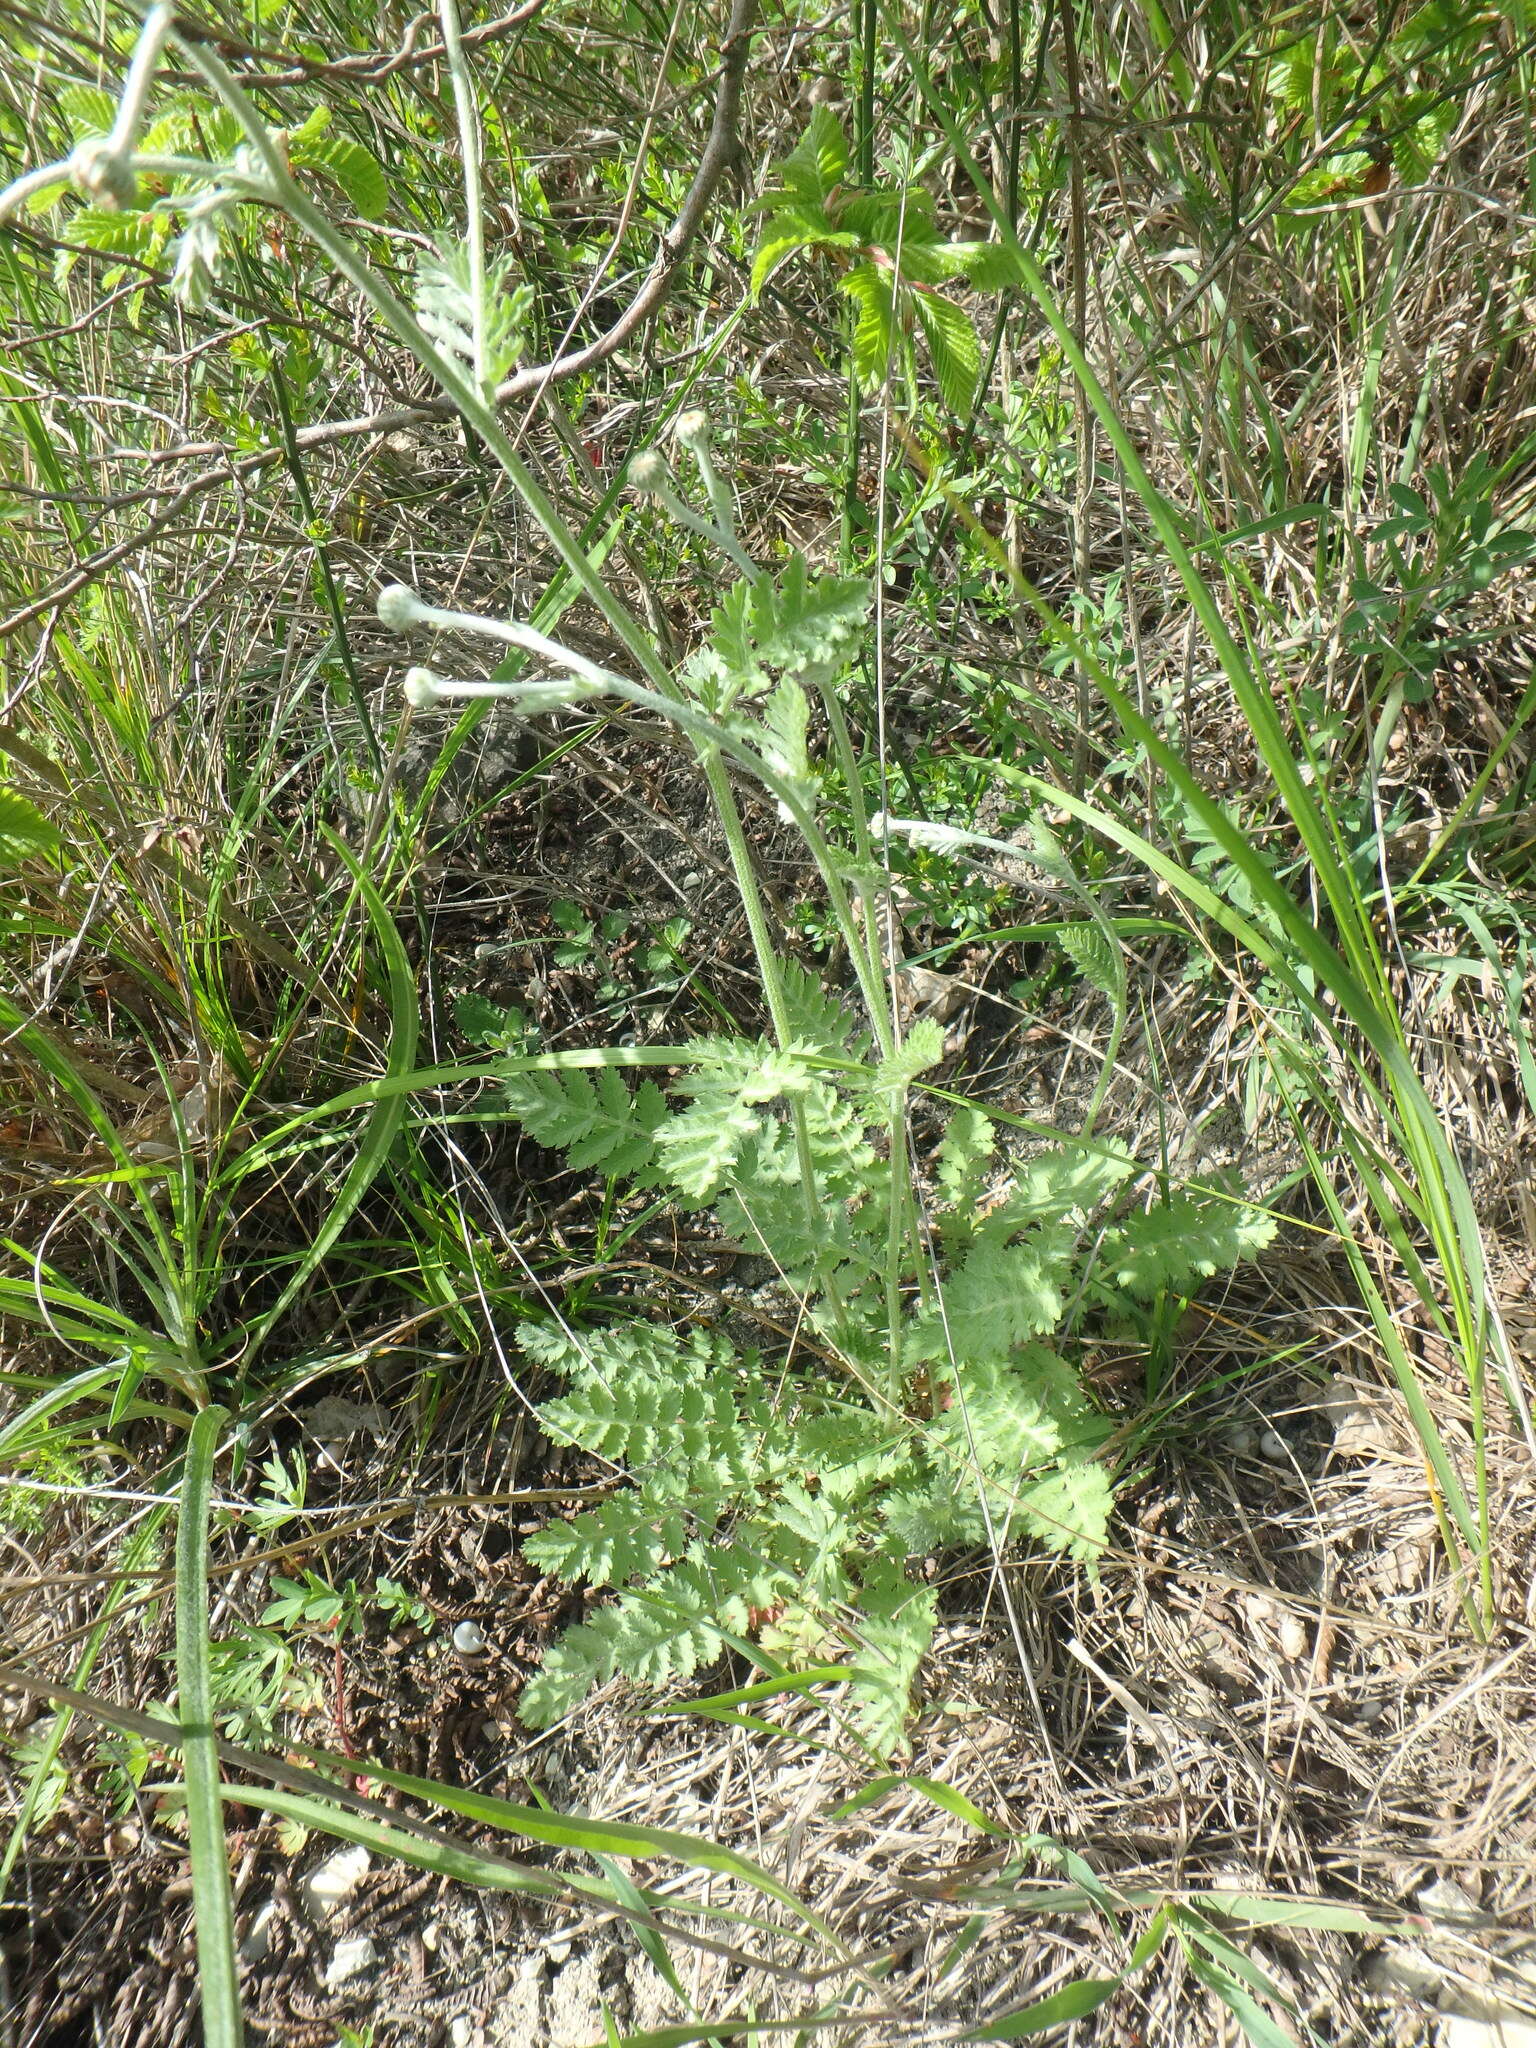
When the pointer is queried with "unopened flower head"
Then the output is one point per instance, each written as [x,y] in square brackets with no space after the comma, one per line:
[398,607]
[422,691]
[649,474]
[692,429]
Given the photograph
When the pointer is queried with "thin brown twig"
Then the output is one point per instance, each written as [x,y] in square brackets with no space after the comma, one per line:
[366,67]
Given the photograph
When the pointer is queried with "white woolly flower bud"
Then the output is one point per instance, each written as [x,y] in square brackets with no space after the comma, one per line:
[691,430]
[648,473]
[423,690]
[398,607]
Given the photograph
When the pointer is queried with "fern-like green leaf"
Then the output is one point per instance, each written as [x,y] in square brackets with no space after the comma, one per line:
[672,1421]
[594,1122]
[1005,1421]
[802,626]
[941,1514]
[1182,1241]
[895,1629]
[1068,1512]
[786,724]
[1002,1295]
[623,1538]
[1059,1182]
[698,1148]
[445,306]
[642,1394]
[848,1449]
[657,1640]
[965,1160]
[1092,953]
[818,1019]
[922,1048]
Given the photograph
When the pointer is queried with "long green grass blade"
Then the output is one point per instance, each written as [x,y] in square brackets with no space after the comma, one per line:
[217,1966]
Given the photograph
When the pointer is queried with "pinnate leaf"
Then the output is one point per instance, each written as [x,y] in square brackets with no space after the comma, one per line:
[1182,1240]
[594,1122]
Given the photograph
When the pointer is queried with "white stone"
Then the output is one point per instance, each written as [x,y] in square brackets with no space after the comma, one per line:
[258,1941]
[1444,1899]
[1292,1633]
[1408,1970]
[350,1959]
[333,1418]
[337,1878]
[1362,1425]
[1459,2030]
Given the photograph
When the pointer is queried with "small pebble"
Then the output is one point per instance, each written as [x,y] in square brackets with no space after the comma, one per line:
[258,1940]
[1445,1899]
[1292,1635]
[337,1878]
[1406,1970]
[350,1959]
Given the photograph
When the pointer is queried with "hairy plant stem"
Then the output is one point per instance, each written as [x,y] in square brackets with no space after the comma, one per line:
[468,394]
[469,154]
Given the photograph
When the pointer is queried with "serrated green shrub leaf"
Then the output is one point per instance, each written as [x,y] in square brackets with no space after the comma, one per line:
[874,329]
[954,347]
[89,110]
[819,160]
[361,177]
[23,829]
